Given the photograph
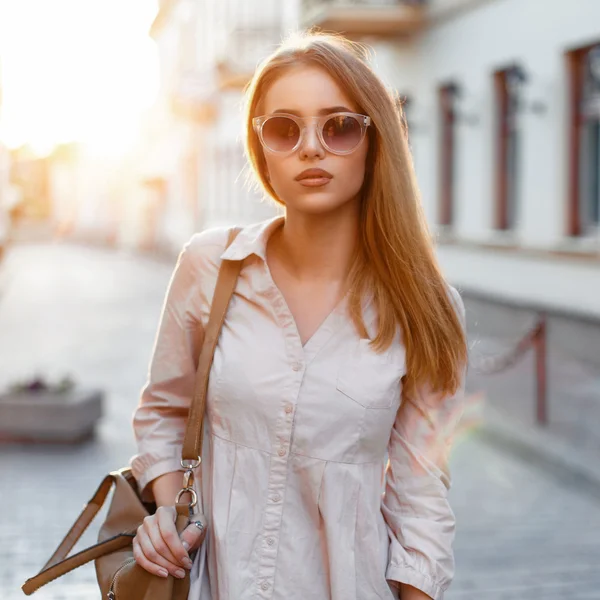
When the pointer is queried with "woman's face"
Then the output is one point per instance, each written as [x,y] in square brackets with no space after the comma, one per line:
[307,92]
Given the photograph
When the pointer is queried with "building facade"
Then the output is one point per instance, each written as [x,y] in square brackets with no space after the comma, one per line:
[8,192]
[504,123]
[502,103]
[195,167]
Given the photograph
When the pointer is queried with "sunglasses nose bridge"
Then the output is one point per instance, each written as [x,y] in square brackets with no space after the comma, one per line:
[309,135]
[309,123]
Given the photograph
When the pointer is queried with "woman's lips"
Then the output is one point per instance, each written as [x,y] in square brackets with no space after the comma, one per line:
[313,177]
[314,181]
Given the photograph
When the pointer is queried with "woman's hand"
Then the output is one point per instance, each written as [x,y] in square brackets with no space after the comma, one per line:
[158,548]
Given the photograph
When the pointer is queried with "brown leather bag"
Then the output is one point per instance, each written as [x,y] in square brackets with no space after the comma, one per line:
[119,576]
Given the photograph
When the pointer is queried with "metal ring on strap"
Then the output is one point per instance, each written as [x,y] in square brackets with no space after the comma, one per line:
[192,463]
[192,492]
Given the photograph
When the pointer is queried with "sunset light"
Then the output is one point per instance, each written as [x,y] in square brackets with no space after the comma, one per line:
[75,70]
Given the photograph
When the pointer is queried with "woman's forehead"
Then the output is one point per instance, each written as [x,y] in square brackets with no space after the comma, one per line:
[305,91]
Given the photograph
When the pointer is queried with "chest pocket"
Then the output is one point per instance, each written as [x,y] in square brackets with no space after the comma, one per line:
[372,379]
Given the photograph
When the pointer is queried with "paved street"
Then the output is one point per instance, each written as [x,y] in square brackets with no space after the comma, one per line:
[522,533]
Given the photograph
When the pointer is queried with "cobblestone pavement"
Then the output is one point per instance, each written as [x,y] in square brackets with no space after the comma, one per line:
[522,533]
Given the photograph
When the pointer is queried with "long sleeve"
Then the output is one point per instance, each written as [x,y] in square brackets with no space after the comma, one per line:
[420,521]
[160,418]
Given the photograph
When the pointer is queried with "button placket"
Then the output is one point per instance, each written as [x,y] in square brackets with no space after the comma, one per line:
[278,472]
[277,481]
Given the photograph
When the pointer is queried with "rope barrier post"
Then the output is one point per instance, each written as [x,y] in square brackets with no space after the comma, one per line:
[541,371]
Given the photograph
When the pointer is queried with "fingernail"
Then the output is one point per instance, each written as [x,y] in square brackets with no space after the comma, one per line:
[186,545]
[187,563]
[163,573]
[180,573]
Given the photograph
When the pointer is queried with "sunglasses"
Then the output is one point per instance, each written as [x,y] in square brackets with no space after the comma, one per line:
[339,133]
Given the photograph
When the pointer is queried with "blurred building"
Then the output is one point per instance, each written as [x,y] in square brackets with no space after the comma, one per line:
[31,175]
[4,210]
[194,168]
[503,106]
[87,199]
[502,102]
[8,192]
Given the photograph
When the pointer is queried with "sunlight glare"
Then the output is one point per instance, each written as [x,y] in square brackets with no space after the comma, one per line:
[76,70]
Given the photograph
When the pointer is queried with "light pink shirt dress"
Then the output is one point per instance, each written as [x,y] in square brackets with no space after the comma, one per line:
[301,500]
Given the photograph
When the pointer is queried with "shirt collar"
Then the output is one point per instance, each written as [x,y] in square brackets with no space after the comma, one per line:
[252,240]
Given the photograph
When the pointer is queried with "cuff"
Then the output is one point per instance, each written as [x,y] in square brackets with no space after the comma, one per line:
[145,474]
[421,581]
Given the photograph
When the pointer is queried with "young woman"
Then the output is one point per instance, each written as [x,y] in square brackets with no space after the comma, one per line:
[343,346]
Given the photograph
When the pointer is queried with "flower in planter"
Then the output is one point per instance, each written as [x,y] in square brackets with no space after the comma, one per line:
[36,409]
[38,384]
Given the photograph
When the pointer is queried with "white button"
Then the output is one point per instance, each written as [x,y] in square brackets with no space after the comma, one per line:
[276,498]
[264,585]
[270,541]
[289,408]
[281,452]
[297,366]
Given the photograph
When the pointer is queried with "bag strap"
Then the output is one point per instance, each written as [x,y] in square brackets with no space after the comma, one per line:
[226,282]
[58,564]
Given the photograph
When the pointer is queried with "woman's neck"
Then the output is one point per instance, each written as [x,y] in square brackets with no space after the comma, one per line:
[317,247]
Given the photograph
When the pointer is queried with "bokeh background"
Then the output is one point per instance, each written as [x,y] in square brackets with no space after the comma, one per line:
[120,136]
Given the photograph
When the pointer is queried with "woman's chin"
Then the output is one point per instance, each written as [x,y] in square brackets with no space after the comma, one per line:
[316,204]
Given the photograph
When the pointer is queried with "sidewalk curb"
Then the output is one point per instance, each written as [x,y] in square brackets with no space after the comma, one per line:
[541,448]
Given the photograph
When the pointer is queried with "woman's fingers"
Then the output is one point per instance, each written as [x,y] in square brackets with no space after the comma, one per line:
[141,560]
[157,546]
[193,534]
[154,560]
[166,539]
[159,529]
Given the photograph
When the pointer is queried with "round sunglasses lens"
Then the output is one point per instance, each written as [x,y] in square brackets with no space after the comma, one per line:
[280,134]
[342,133]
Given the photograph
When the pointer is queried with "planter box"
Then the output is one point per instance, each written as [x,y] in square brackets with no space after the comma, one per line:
[49,417]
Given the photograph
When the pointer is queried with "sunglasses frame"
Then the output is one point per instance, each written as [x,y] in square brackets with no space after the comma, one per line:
[258,123]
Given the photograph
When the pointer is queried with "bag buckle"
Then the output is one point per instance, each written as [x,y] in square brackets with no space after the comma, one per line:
[192,491]
[188,482]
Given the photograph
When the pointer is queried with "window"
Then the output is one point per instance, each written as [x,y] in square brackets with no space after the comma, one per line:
[506,88]
[446,101]
[584,138]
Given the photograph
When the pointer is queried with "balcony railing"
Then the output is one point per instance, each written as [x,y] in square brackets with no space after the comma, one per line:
[366,17]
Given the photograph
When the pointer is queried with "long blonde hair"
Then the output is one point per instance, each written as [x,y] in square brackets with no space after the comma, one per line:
[396,262]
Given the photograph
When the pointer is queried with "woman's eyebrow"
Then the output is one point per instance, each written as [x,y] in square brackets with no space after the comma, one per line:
[322,111]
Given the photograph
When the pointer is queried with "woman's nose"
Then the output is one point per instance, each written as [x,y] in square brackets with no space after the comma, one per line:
[311,146]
